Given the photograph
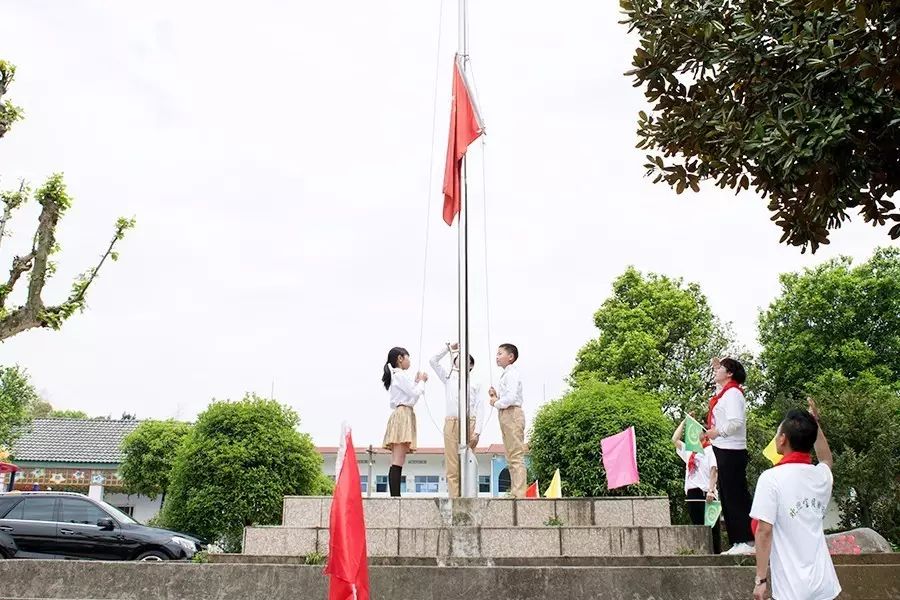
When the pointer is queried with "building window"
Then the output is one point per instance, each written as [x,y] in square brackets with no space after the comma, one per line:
[128,510]
[381,484]
[427,484]
[364,483]
[484,484]
[503,482]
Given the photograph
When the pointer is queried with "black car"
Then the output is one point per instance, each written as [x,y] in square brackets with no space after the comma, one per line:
[69,525]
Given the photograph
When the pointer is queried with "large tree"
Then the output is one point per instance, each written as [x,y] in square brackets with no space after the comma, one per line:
[799,99]
[37,262]
[149,454]
[234,468]
[861,417]
[659,334]
[17,396]
[836,316]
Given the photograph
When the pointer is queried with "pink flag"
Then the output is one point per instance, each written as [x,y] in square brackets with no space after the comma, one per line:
[620,459]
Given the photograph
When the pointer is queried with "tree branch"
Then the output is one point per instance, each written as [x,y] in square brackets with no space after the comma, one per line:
[54,201]
[54,316]
[20,265]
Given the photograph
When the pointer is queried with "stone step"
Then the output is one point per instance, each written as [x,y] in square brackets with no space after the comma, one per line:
[90,580]
[490,542]
[314,511]
[679,560]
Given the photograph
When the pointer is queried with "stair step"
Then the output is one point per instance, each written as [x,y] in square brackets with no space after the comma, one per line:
[491,542]
[314,511]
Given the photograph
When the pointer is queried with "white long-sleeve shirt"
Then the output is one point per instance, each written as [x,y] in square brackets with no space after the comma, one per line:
[404,392]
[730,418]
[509,389]
[451,390]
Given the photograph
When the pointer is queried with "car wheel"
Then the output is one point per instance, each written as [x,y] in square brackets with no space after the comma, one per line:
[152,556]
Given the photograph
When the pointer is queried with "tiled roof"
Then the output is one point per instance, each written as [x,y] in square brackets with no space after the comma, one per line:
[73,441]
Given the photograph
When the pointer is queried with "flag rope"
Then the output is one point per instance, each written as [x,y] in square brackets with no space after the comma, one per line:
[437,64]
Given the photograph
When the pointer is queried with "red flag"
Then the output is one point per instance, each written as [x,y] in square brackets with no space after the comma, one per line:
[464,129]
[347,560]
[532,491]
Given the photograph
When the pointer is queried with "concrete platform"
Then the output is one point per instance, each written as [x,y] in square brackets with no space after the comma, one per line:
[651,511]
[490,542]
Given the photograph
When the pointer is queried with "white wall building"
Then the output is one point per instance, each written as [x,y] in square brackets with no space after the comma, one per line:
[424,473]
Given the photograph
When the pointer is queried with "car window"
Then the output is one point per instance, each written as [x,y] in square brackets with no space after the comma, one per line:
[80,511]
[33,509]
[7,503]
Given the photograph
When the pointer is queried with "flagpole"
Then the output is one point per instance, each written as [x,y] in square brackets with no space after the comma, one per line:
[463,407]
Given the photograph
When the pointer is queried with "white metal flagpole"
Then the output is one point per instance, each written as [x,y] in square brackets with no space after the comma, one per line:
[463,287]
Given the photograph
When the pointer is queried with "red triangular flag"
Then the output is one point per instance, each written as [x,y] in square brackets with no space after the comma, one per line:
[464,129]
[347,559]
[532,491]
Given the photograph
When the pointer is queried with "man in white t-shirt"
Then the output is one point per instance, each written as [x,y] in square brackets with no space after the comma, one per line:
[790,504]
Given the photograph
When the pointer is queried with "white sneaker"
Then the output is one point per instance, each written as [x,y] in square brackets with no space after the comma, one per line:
[741,548]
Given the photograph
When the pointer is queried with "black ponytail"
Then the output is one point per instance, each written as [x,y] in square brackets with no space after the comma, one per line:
[393,356]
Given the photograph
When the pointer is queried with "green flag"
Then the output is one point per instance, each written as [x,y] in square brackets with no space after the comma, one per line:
[713,510]
[692,432]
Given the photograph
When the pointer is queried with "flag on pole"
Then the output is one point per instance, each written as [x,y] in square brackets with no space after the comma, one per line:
[693,430]
[555,489]
[771,453]
[620,459]
[347,560]
[713,510]
[532,491]
[465,127]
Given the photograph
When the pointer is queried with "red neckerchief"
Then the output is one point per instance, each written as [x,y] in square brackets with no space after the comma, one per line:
[803,458]
[799,458]
[692,459]
[715,400]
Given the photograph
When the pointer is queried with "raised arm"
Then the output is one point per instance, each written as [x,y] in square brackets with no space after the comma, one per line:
[823,450]
[676,437]
[436,365]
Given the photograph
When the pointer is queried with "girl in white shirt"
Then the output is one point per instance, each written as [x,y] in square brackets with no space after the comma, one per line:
[400,436]
[700,476]
[727,430]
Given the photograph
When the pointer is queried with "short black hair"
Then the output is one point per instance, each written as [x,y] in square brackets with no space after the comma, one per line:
[738,374]
[511,348]
[801,430]
[471,362]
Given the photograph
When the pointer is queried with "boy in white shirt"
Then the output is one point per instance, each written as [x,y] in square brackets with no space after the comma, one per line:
[700,475]
[508,400]
[451,420]
[790,504]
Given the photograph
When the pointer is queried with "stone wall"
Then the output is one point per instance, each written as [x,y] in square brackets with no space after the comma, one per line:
[83,580]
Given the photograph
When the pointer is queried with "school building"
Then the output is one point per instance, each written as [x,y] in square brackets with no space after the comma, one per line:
[423,473]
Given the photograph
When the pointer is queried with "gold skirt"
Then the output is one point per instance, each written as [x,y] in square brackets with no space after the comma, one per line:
[401,428]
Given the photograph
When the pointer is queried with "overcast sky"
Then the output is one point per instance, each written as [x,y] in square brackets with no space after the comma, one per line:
[276,157]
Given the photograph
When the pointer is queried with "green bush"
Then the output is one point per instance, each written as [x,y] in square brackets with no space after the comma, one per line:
[235,467]
[566,434]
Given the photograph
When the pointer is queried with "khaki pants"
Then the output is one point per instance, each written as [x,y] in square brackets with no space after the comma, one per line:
[512,426]
[451,452]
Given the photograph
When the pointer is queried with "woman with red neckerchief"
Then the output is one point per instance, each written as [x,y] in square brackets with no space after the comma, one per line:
[726,426]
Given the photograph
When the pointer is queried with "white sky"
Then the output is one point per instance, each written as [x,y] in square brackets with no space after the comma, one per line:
[276,156]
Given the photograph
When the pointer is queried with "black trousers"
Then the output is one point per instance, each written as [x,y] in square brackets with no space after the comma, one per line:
[733,492]
[697,510]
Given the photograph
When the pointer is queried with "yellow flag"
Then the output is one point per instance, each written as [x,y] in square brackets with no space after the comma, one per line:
[555,489]
[771,453]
